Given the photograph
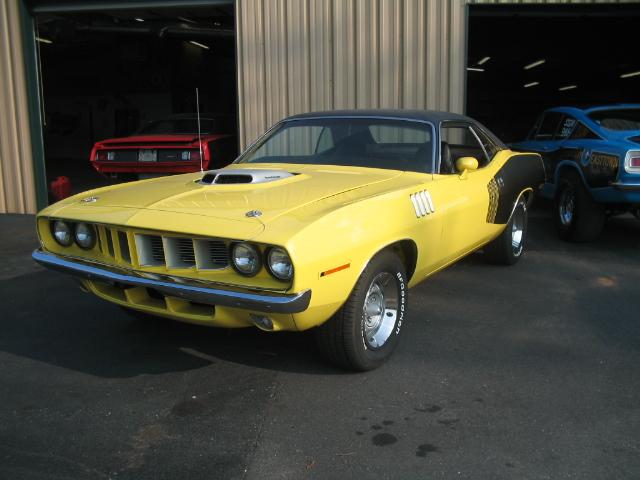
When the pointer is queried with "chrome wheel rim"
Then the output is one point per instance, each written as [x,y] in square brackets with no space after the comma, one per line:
[517,230]
[380,310]
[566,207]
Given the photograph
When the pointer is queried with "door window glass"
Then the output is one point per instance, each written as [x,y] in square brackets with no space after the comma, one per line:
[549,126]
[457,142]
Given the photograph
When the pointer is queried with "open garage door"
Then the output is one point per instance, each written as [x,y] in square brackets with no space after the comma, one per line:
[129,76]
[524,59]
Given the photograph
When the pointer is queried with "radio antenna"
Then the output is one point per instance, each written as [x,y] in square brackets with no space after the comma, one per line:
[199,136]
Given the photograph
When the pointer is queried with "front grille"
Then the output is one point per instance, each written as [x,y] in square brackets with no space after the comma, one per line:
[157,249]
[124,246]
[109,243]
[181,252]
[185,251]
[218,254]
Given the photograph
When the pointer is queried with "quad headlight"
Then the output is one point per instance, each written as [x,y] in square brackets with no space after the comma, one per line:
[85,236]
[246,258]
[62,233]
[280,264]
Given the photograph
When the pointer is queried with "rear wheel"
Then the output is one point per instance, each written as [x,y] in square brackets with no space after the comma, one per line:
[363,334]
[578,217]
[508,247]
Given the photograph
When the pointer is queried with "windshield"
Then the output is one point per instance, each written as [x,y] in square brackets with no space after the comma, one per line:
[357,142]
[186,126]
[621,119]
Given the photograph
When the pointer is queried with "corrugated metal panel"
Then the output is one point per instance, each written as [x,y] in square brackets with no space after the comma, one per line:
[303,55]
[17,190]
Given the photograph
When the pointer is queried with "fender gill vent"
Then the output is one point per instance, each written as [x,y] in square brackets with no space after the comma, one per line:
[422,203]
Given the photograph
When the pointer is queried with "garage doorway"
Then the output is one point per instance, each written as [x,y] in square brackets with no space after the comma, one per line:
[524,59]
[106,74]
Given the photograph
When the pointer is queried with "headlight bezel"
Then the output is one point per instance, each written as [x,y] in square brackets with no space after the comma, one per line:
[70,229]
[256,252]
[268,261]
[93,235]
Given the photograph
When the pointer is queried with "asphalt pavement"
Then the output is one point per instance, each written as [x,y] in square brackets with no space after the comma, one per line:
[523,372]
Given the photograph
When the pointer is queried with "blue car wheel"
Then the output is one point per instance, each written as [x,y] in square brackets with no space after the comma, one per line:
[578,217]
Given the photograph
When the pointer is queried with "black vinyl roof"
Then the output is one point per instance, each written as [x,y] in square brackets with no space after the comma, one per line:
[433,116]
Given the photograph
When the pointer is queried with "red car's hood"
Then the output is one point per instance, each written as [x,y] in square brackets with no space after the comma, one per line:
[155,139]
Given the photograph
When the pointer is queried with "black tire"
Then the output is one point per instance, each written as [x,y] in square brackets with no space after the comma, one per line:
[348,339]
[503,250]
[578,217]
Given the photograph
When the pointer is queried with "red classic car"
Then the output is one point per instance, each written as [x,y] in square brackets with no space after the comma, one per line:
[169,146]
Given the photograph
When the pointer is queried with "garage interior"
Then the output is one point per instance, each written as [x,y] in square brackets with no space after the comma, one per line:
[577,55]
[106,74]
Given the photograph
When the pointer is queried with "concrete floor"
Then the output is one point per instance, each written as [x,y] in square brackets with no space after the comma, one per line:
[524,372]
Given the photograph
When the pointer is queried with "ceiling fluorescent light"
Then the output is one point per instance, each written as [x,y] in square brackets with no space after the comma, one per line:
[198,44]
[475,69]
[483,60]
[532,84]
[568,87]
[631,74]
[44,40]
[534,64]
[138,19]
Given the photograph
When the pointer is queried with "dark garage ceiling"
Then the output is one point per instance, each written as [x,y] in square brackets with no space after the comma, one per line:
[589,47]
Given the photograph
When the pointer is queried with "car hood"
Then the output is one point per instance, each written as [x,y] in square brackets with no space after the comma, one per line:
[185,194]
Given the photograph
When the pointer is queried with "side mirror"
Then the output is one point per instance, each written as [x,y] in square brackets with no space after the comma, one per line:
[466,163]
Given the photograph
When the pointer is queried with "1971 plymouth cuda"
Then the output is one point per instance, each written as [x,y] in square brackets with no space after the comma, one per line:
[177,144]
[324,223]
[592,164]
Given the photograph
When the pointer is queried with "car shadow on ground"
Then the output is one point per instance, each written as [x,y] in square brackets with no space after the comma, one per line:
[50,320]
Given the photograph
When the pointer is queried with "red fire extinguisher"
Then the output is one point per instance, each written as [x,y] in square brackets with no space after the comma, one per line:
[61,188]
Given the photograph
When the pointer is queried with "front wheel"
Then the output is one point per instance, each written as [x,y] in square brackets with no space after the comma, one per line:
[508,247]
[363,334]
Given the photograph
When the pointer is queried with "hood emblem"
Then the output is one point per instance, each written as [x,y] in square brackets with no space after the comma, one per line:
[89,199]
[253,213]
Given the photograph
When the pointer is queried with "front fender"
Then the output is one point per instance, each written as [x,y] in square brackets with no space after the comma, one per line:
[330,253]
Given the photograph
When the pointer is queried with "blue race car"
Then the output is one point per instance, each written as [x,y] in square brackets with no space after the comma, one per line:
[592,165]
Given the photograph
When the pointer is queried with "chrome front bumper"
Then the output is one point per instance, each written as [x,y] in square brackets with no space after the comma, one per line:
[185,288]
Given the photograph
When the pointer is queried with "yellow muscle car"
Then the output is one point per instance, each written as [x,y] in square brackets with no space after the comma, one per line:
[324,223]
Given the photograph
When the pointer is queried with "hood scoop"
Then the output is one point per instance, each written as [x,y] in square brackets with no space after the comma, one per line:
[227,177]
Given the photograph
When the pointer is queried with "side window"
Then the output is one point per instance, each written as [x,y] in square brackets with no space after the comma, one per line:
[582,132]
[490,148]
[567,125]
[536,126]
[325,140]
[459,141]
[548,126]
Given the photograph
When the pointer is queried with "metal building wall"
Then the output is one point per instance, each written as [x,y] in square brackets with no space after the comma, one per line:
[304,55]
[17,187]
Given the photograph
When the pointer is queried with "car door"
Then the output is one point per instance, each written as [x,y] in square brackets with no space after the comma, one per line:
[463,197]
